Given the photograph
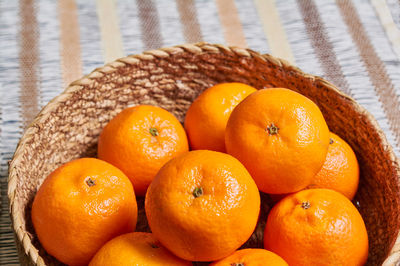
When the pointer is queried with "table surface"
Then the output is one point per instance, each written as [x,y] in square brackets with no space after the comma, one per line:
[45,44]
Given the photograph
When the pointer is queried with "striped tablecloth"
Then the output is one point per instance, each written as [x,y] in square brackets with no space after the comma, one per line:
[46,44]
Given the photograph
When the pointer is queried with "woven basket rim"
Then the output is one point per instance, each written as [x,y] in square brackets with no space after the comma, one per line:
[24,237]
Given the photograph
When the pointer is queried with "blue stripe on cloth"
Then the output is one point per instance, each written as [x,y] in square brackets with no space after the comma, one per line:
[380,41]
[210,24]
[355,72]
[49,48]
[170,24]
[130,27]
[297,36]
[252,27]
[90,40]
[10,117]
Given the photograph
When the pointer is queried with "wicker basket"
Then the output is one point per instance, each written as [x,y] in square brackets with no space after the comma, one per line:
[68,128]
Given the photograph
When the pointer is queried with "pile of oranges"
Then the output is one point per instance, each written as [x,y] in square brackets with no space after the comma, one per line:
[203,205]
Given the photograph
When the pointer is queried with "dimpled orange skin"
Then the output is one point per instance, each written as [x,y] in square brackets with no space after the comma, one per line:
[317,227]
[281,137]
[128,143]
[202,225]
[206,118]
[340,171]
[80,206]
[251,257]
[135,249]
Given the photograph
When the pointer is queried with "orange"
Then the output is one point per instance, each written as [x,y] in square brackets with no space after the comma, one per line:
[317,227]
[281,137]
[80,206]
[135,249]
[206,118]
[340,171]
[251,257]
[140,140]
[202,205]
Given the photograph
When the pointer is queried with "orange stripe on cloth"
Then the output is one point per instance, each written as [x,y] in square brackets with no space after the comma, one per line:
[232,27]
[110,31]
[189,21]
[374,65]
[70,48]
[28,61]
[274,30]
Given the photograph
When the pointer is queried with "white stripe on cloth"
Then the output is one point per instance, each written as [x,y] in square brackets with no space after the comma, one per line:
[252,28]
[276,35]
[10,117]
[109,28]
[130,27]
[11,120]
[210,24]
[297,36]
[49,48]
[170,23]
[355,72]
[90,39]
[380,41]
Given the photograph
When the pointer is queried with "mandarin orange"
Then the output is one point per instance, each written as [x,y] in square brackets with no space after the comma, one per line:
[206,118]
[317,227]
[135,249]
[80,206]
[251,257]
[281,137]
[141,139]
[340,171]
[202,205]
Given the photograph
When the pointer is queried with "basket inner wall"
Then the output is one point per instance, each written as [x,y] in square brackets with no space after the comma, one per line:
[72,128]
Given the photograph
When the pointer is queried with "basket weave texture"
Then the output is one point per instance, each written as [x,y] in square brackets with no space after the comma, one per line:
[69,126]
